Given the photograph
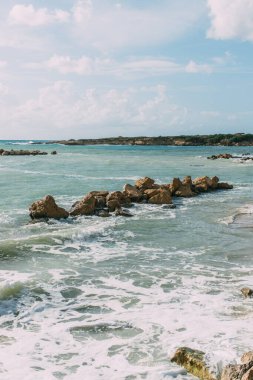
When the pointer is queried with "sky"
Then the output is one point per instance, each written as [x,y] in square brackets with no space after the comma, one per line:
[101,68]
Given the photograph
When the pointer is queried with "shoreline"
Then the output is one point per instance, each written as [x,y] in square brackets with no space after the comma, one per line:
[236,139]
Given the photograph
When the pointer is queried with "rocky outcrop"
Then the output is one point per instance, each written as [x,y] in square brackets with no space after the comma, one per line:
[242,371]
[85,206]
[222,155]
[102,203]
[22,152]
[194,362]
[132,193]
[144,183]
[47,208]
[247,292]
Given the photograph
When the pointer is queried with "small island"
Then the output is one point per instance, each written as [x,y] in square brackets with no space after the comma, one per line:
[236,139]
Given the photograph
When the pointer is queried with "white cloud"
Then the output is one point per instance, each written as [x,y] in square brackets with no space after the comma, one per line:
[22,14]
[60,108]
[194,68]
[82,11]
[113,27]
[3,64]
[231,19]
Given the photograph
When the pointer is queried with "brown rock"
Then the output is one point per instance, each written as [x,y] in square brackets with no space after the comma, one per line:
[176,183]
[247,357]
[132,192]
[113,204]
[247,292]
[85,206]
[194,362]
[224,186]
[151,192]
[184,189]
[144,183]
[47,208]
[236,371]
[162,197]
[119,196]
[123,212]
[248,375]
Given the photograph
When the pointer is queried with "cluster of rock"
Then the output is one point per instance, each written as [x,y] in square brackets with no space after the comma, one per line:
[22,152]
[194,362]
[145,190]
[227,156]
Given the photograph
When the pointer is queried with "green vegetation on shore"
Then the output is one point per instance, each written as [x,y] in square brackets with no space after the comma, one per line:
[237,139]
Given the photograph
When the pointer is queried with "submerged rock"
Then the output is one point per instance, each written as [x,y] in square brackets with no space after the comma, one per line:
[122,212]
[194,362]
[47,208]
[247,292]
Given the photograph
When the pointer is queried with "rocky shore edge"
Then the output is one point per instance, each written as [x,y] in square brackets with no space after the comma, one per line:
[145,190]
[195,363]
[227,156]
[236,139]
[22,152]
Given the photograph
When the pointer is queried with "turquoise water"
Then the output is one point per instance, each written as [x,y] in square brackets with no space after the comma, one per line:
[95,298]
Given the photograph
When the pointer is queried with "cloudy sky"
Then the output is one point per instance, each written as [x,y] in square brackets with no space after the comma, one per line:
[95,68]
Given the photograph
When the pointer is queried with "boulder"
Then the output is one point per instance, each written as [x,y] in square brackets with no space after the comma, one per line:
[122,212]
[113,204]
[118,196]
[224,186]
[182,189]
[47,208]
[144,183]
[85,206]
[247,292]
[103,213]
[247,357]
[161,197]
[194,362]
[132,193]
[237,371]
[54,152]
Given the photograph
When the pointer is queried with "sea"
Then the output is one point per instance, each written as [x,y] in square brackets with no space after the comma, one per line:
[92,298]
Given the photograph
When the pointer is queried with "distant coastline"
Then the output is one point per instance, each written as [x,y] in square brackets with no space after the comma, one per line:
[237,139]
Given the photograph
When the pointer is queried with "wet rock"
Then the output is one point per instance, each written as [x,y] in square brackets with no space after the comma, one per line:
[122,212]
[247,357]
[113,205]
[182,189]
[47,208]
[224,186]
[118,196]
[85,206]
[194,362]
[54,152]
[103,213]
[144,183]
[237,371]
[21,152]
[247,292]
[202,184]
[222,155]
[162,196]
[132,193]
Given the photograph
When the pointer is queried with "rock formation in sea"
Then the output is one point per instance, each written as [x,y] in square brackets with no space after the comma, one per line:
[145,190]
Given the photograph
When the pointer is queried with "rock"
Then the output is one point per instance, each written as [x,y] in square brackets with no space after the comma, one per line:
[247,357]
[176,183]
[85,206]
[103,213]
[194,362]
[100,202]
[249,374]
[144,183]
[47,208]
[54,152]
[132,192]
[161,197]
[100,193]
[113,205]
[247,292]
[122,212]
[183,189]
[118,196]
[237,371]
[21,152]
[224,186]
[169,206]
[222,155]
[202,184]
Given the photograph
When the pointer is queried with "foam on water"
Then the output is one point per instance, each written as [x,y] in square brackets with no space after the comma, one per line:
[113,298]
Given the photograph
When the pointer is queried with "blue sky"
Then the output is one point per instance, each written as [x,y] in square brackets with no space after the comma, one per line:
[96,68]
